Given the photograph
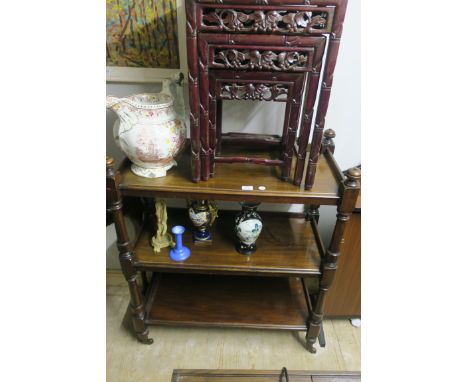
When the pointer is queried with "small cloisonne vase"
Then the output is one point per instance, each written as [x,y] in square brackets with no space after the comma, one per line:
[200,216]
[248,225]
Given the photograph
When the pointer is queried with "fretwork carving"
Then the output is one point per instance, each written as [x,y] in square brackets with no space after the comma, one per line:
[253,92]
[255,59]
[233,20]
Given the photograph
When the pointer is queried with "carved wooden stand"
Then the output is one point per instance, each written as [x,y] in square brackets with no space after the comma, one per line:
[210,288]
[236,51]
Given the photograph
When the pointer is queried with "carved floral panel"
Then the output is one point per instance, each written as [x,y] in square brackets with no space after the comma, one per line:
[253,92]
[261,60]
[286,21]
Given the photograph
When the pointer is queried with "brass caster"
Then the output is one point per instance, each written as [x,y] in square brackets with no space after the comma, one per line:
[143,338]
[147,341]
[310,346]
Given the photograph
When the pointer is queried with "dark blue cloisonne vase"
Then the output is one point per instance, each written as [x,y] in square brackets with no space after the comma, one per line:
[200,216]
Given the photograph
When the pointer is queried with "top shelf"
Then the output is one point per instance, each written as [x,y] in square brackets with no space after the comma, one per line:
[228,181]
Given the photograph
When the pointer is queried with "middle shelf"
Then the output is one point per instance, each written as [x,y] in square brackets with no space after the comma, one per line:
[286,247]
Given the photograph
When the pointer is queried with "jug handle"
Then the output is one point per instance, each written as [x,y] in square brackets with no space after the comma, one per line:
[178,96]
[166,83]
[166,87]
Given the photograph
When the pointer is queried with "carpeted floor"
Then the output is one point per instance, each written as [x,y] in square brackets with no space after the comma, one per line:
[212,348]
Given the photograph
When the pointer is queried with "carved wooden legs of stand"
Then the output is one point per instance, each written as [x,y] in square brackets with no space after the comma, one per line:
[193,85]
[350,189]
[125,256]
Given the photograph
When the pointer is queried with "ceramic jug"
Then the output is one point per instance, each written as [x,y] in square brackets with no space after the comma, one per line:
[148,131]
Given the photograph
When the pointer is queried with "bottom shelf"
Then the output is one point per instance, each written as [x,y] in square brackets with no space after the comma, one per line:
[227,301]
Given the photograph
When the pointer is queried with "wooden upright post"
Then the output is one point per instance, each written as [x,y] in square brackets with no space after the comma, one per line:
[350,190]
[125,255]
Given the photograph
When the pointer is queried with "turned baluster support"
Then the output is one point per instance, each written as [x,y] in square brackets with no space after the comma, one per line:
[349,188]
[125,255]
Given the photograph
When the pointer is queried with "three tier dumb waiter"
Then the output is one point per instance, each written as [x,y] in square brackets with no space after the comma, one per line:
[267,50]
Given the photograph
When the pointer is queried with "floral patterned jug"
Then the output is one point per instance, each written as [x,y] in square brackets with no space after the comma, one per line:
[148,131]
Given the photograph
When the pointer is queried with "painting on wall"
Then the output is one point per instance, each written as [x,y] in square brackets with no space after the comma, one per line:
[142,39]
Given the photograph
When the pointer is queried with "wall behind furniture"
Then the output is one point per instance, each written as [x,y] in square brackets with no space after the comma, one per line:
[344,116]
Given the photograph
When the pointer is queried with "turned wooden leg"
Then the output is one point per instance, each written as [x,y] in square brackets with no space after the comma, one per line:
[136,300]
[315,321]
[350,190]
[125,256]
[328,268]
